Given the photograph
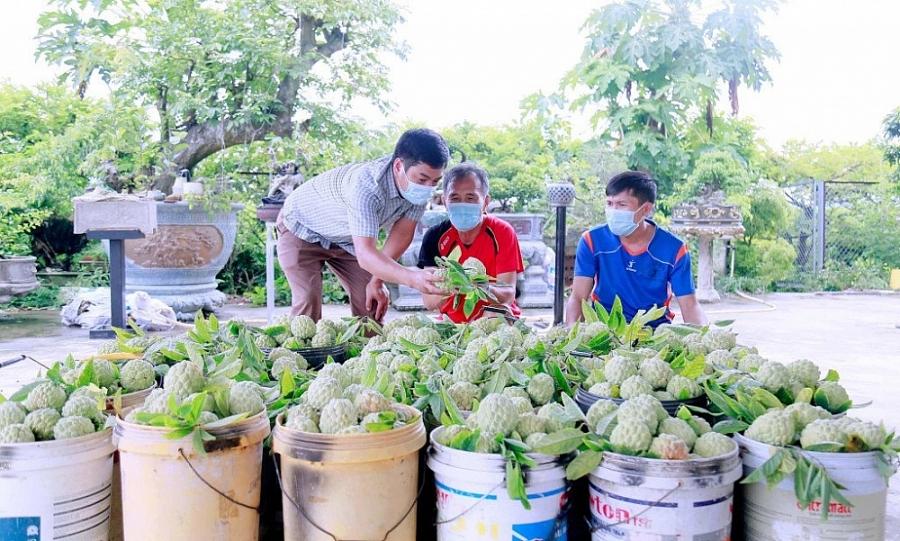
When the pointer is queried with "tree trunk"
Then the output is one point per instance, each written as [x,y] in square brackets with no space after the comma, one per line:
[203,140]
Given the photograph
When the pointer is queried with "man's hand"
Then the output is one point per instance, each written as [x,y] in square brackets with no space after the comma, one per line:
[377,297]
[427,282]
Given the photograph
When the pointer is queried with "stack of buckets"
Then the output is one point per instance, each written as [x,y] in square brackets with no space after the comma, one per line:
[367,487]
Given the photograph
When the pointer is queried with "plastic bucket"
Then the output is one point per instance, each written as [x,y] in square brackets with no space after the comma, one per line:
[472,501]
[634,498]
[57,489]
[171,492]
[584,400]
[359,486]
[774,514]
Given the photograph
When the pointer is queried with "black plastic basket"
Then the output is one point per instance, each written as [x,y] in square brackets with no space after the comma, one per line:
[585,399]
[316,357]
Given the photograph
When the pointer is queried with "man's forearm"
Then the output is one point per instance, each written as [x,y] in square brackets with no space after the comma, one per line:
[573,310]
[505,294]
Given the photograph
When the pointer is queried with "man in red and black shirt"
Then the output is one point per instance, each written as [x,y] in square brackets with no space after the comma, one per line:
[477,235]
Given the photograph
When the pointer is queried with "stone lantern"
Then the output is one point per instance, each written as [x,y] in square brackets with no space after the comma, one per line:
[708,217]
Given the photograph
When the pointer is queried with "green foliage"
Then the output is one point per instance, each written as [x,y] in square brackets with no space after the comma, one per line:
[332,291]
[767,260]
[890,131]
[801,160]
[716,170]
[652,68]
[45,296]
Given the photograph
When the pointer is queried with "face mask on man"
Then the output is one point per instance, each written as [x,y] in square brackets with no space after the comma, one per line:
[464,216]
[621,222]
[417,194]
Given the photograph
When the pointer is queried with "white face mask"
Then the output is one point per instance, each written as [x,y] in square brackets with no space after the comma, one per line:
[416,194]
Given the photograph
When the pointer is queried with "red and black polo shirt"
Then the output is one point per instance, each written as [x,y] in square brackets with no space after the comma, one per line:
[496,246]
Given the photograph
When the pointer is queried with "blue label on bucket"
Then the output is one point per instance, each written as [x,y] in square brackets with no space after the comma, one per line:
[20,528]
[549,530]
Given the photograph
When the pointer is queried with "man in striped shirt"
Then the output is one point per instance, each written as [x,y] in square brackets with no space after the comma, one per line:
[335,218]
[632,258]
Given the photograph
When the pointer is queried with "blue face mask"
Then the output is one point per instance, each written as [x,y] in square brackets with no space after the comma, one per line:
[464,216]
[620,222]
[416,194]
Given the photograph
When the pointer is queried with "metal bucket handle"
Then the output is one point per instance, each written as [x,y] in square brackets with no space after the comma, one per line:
[214,489]
[326,532]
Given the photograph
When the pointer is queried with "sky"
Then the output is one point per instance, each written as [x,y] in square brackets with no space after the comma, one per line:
[475,60]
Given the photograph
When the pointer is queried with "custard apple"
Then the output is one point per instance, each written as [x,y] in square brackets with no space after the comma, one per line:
[721,358]
[445,435]
[871,435]
[650,403]
[751,363]
[406,333]
[281,365]
[535,439]
[110,346]
[822,431]
[11,413]
[487,443]
[338,372]
[475,265]
[604,389]
[15,433]
[618,369]
[207,417]
[467,369]
[680,428]
[517,391]
[598,411]
[523,405]
[631,412]
[137,375]
[775,427]
[72,427]
[541,388]
[804,414]
[700,426]
[41,422]
[278,353]
[244,397]
[712,444]
[303,327]
[530,423]
[184,378]
[657,372]
[669,447]
[209,403]
[301,423]
[635,386]
[774,376]
[304,410]
[719,339]
[264,341]
[664,395]
[336,415]
[370,401]
[630,436]
[693,344]
[497,415]
[683,388]
[82,406]
[464,394]
[830,395]
[45,395]
[426,337]
[158,401]
[322,390]
[591,330]
[323,339]
[804,372]
[401,363]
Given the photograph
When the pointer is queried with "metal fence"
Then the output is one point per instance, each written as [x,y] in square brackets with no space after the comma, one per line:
[824,209]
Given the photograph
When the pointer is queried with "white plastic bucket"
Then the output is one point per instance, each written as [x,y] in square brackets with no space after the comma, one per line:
[634,498]
[775,515]
[171,492]
[473,504]
[361,486]
[56,489]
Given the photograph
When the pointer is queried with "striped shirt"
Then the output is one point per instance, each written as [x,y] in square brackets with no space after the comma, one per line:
[356,200]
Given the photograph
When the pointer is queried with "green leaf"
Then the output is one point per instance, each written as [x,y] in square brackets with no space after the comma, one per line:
[767,399]
[590,316]
[832,375]
[452,410]
[826,447]
[23,391]
[694,368]
[730,426]
[87,374]
[287,384]
[515,484]
[199,446]
[723,322]
[583,464]
[226,421]
[684,414]
[559,378]
[560,442]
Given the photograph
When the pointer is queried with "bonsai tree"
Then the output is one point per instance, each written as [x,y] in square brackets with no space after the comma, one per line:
[220,74]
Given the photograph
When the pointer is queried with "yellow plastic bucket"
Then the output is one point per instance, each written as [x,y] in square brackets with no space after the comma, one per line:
[171,492]
[361,486]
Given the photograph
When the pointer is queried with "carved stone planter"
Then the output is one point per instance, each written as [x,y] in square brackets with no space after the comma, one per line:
[17,277]
[707,218]
[178,264]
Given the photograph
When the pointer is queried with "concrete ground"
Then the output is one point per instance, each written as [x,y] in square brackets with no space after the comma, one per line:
[856,334]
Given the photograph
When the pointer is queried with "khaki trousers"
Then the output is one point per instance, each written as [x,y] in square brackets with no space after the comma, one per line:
[302,263]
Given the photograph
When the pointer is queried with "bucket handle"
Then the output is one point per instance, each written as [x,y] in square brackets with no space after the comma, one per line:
[214,489]
[595,529]
[326,532]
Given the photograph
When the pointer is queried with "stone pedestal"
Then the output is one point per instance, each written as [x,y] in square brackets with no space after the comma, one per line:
[17,277]
[707,218]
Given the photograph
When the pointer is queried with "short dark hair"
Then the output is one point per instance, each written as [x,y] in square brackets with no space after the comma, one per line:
[421,145]
[462,171]
[637,183]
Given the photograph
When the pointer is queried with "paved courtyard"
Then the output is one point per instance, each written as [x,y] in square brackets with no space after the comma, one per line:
[856,334]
